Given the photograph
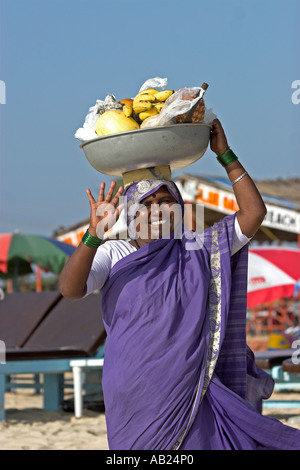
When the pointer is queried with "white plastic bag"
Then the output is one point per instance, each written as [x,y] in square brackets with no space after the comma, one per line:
[179,103]
[88,131]
[155,82]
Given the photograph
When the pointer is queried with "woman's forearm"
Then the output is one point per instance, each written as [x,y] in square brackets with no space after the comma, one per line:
[73,278]
[252,209]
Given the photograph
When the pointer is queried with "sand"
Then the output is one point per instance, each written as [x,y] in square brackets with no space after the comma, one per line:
[29,427]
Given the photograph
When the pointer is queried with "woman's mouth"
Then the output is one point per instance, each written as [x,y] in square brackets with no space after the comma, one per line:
[158,222]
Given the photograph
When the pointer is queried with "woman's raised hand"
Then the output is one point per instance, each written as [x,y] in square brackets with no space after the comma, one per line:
[104,211]
[218,140]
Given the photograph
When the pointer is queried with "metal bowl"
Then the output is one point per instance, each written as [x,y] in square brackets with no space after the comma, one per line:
[176,145]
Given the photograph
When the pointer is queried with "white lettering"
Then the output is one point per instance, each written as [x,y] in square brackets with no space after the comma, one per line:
[295,358]
[2,92]
[281,218]
[296,94]
[118,460]
[108,218]
[2,352]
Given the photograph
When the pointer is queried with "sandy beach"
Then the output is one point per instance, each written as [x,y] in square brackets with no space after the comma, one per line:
[29,427]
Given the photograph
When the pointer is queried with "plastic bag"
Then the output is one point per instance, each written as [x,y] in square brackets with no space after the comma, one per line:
[155,82]
[178,105]
[88,131]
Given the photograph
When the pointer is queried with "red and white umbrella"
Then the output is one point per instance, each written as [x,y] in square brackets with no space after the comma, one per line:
[272,273]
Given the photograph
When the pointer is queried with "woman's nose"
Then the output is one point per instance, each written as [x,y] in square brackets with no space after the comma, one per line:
[155,209]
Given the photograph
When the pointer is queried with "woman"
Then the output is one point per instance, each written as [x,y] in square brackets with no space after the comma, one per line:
[177,372]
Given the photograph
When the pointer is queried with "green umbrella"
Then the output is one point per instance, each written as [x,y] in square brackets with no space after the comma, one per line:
[18,251]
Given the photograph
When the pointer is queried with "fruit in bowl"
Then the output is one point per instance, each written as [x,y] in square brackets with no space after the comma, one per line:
[114,121]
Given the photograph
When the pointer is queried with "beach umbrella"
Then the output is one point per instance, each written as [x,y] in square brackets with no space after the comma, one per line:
[18,251]
[273,273]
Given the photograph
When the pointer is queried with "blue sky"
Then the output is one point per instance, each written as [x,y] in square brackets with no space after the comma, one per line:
[57,57]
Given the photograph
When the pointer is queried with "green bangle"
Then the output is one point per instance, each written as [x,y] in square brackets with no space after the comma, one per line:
[227,158]
[90,241]
[224,151]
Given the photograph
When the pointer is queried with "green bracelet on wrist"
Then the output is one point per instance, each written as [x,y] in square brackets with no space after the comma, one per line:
[90,241]
[227,157]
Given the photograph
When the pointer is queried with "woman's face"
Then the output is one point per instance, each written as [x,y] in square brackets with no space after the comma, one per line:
[159,213]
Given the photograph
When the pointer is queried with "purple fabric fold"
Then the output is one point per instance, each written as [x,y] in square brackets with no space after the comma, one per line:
[175,313]
[226,422]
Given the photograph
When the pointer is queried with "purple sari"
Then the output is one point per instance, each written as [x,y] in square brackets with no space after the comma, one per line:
[177,371]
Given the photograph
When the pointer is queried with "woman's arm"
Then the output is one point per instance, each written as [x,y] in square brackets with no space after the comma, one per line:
[252,209]
[73,278]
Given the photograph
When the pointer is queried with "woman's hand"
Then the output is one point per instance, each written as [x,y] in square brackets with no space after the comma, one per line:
[73,278]
[218,140]
[104,212]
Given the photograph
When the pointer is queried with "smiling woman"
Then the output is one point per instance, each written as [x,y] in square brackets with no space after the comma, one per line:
[177,371]
[156,215]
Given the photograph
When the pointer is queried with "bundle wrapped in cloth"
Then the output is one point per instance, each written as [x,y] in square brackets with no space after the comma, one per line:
[153,106]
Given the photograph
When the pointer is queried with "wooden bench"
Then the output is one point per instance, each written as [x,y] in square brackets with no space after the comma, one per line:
[42,333]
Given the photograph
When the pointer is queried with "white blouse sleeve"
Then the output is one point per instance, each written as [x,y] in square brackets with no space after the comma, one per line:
[239,239]
[100,269]
[106,257]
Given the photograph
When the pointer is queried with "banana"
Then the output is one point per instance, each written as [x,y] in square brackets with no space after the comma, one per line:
[144,97]
[150,91]
[145,114]
[163,95]
[141,105]
[159,106]
[127,110]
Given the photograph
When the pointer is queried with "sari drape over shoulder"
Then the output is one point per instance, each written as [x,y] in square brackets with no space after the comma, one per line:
[177,371]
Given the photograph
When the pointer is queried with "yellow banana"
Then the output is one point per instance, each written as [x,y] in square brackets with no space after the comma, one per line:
[144,97]
[145,114]
[140,106]
[159,106]
[127,110]
[150,91]
[163,95]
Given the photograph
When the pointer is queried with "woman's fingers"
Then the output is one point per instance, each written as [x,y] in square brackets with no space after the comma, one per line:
[90,196]
[110,191]
[101,192]
[107,198]
[218,140]
[117,196]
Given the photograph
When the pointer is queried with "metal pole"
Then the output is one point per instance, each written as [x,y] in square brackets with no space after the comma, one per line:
[16,275]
